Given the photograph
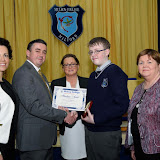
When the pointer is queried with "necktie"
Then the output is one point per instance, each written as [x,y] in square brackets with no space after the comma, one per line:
[40,73]
[97,73]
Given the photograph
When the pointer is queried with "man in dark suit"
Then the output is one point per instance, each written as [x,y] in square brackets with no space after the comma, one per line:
[37,130]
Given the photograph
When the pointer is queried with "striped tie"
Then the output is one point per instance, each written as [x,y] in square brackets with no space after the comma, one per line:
[40,73]
[97,73]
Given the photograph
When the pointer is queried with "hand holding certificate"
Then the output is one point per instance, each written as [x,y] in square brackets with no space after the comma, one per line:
[71,98]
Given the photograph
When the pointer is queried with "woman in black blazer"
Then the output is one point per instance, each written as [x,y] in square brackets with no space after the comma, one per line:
[8,106]
[72,137]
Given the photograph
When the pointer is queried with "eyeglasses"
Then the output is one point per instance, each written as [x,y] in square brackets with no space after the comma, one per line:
[69,65]
[96,51]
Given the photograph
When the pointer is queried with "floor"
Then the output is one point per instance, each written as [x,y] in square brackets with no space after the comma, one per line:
[124,155]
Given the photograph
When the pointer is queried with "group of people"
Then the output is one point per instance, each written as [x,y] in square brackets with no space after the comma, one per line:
[26,107]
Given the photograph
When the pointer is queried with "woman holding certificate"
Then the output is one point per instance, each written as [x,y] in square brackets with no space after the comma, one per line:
[72,138]
[143,134]
[8,106]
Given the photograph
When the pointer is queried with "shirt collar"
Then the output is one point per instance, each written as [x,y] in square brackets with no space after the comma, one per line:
[103,66]
[36,68]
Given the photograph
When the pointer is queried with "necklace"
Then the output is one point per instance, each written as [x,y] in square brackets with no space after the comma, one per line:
[141,99]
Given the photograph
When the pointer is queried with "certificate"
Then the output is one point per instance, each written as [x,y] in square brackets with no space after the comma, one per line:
[71,98]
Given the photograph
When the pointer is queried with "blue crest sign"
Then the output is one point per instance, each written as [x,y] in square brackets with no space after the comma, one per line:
[104,83]
[67,23]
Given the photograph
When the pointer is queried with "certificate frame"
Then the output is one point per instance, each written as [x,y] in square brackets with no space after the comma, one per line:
[71,98]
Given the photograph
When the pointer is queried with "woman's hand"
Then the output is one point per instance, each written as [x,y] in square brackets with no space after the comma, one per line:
[71,117]
[1,157]
[133,155]
[74,113]
[63,108]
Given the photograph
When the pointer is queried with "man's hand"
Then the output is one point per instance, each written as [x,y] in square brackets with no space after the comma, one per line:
[89,118]
[71,117]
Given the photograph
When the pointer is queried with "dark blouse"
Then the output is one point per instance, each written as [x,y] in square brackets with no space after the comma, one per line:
[134,129]
[134,125]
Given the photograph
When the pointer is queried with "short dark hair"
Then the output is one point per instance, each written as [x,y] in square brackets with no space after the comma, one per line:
[99,40]
[5,42]
[151,53]
[69,55]
[35,41]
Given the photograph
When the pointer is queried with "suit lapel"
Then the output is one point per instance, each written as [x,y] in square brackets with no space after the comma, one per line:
[38,77]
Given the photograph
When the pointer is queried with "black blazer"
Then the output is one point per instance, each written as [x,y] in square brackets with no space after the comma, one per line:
[8,150]
[62,82]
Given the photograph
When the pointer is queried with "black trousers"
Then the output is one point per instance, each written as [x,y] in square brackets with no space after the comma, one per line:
[8,154]
[37,155]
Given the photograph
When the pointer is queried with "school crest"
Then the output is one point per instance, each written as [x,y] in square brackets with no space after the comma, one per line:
[67,23]
[104,83]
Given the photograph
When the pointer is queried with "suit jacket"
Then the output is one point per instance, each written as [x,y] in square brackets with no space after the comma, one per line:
[8,150]
[148,118]
[37,119]
[62,82]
